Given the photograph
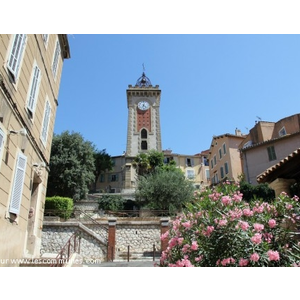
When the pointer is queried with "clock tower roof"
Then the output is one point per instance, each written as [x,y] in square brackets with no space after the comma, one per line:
[143,81]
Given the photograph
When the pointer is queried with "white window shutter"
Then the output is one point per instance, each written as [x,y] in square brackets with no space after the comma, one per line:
[46,122]
[55,58]
[36,77]
[16,195]
[1,143]
[16,54]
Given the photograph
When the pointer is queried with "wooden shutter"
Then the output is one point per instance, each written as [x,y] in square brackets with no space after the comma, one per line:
[1,143]
[16,54]
[46,122]
[34,88]
[55,58]
[16,195]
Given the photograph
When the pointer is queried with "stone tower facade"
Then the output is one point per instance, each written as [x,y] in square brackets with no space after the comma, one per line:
[143,132]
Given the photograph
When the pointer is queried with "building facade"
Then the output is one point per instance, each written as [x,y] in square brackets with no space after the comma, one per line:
[30,75]
[224,157]
[268,143]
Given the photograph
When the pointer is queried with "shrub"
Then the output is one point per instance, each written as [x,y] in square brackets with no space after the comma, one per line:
[261,191]
[220,229]
[63,205]
[111,202]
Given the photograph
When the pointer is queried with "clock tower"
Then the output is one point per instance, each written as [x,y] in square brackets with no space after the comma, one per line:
[143,130]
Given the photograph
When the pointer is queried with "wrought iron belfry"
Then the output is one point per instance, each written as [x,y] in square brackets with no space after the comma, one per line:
[143,81]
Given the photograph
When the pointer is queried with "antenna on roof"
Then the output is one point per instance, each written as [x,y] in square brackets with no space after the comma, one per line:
[258,118]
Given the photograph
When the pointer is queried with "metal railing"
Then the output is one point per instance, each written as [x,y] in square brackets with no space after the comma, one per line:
[86,215]
[72,246]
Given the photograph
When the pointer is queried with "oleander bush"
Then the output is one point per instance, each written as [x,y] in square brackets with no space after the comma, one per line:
[220,229]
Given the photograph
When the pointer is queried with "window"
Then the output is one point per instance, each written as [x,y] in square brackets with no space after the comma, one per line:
[215,159]
[220,153]
[34,89]
[282,131]
[224,149]
[207,175]
[205,161]
[102,178]
[17,190]
[226,168]
[55,59]
[271,153]
[144,134]
[190,174]
[212,164]
[144,145]
[46,121]
[45,38]
[114,177]
[190,162]
[222,172]
[16,54]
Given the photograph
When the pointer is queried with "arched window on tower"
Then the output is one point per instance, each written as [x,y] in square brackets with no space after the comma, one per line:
[144,134]
[144,145]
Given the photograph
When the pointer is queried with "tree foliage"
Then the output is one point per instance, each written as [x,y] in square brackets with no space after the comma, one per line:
[103,162]
[72,166]
[146,163]
[164,190]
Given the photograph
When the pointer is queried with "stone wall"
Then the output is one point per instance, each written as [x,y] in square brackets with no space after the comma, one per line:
[55,236]
[140,236]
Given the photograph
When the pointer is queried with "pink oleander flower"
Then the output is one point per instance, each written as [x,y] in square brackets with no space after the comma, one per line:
[235,214]
[258,208]
[244,225]
[289,206]
[172,242]
[296,198]
[223,222]
[226,200]
[227,261]
[268,237]
[247,212]
[237,197]
[187,224]
[180,241]
[164,236]
[256,239]
[272,223]
[197,259]
[273,255]
[258,227]
[254,257]
[194,245]
[243,262]
[208,231]
[185,248]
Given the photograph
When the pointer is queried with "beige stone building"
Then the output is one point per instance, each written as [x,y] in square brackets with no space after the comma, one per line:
[224,157]
[30,75]
[267,144]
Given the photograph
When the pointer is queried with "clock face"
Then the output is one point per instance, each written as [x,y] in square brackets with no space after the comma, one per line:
[143,105]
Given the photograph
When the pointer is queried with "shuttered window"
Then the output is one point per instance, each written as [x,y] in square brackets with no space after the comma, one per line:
[16,53]
[34,89]
[46,120]
[18,183]
[1,144]
[55,58]
[45,39]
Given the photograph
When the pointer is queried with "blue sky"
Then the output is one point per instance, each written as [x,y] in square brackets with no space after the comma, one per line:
[210,83]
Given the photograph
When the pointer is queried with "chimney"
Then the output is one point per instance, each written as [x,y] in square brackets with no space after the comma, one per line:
[238,132]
